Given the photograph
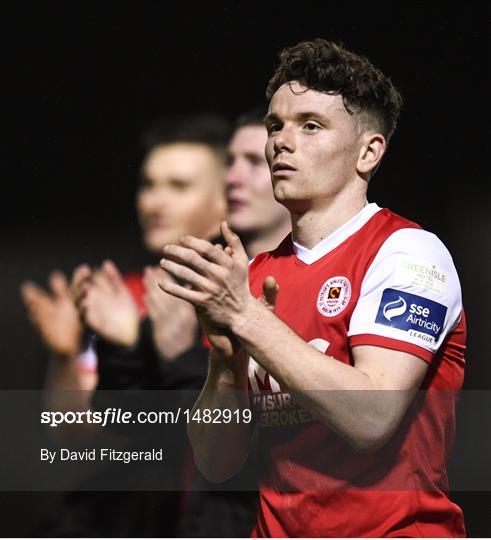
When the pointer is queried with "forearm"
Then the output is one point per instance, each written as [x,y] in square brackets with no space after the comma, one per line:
[65,377]
[127,367]
[220,449]
[343,397]
[70,388]
[174,336]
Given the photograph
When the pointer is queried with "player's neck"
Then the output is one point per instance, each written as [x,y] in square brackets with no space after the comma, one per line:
[311,227]
[267,240]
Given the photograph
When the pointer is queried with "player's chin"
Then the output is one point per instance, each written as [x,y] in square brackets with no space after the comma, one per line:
[241,221]
[286,185]
[155,240]
[284,192]
[293,202]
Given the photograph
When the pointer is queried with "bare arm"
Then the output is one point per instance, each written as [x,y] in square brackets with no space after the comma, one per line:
[54,315]
[363,403]
[220,450]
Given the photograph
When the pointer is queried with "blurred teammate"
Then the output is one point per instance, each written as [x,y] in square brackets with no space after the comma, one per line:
[231,511]
[181,191]
[253,213]
[369,311]
[181,174]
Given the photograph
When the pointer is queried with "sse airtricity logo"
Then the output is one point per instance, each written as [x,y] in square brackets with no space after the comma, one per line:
[420,317]
[394,309]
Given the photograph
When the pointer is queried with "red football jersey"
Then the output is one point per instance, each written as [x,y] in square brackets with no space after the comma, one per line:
[378,280]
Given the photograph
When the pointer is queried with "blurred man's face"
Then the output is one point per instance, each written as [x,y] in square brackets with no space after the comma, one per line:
[181,193]
[251,204]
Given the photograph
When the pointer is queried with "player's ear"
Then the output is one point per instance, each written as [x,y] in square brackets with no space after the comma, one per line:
[371,152]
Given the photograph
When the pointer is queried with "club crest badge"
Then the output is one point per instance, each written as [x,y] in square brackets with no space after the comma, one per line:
[334,296]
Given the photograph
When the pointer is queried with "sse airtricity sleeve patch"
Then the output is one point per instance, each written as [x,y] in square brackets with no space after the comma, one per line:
[410,296]
[418,316]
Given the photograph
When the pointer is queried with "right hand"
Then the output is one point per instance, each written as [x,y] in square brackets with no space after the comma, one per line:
[107,306]
[54,315]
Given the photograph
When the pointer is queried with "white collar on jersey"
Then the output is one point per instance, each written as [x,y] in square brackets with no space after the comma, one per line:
[309,256]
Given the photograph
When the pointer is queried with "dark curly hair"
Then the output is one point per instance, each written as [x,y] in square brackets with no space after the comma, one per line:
[328,67]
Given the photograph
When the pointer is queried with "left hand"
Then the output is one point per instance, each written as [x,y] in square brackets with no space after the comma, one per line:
[214,280]
[54,315]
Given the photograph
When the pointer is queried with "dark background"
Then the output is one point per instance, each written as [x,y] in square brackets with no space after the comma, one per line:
[81,80]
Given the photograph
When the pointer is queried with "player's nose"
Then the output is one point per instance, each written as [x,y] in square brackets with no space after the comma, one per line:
[284,141]
[234,175]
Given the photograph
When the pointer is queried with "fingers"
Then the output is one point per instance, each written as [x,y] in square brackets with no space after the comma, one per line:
[205,258]
[183,273]
[154,299]
[147,277]
[32,294]
[170,287]
[151,278]
[81,275]
[228,250]
[58,284]
[84,280]
[270,291]
[234,244]
[102,282]
[152,275]
[112,275]
[193,260]
[212,252]
[37,301]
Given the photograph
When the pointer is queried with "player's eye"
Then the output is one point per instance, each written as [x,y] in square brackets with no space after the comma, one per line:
[311,126]
[273,127]
[179,185]
[255,160]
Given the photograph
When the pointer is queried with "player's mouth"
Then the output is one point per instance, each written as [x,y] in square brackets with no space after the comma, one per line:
[157,223]
[234,205]
[281,168]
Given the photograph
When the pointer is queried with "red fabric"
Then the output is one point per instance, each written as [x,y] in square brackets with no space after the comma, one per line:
[134,282]
[205,341]
[313,484]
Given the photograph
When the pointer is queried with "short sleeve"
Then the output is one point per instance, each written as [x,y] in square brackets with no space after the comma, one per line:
[410,297]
